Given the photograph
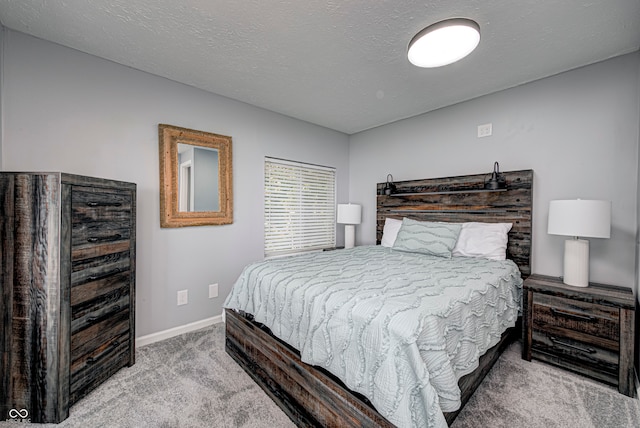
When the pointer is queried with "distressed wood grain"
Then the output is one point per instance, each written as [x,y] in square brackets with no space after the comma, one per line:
[463,199]
[56,265]
[586,330]
[311,396]
[308,395]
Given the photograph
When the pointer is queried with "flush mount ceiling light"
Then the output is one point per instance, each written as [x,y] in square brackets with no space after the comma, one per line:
[444,42]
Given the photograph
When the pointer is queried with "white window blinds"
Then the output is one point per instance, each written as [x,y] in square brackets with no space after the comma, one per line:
[299,207]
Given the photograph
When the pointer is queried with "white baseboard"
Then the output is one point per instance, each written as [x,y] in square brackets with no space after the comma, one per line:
[176,331]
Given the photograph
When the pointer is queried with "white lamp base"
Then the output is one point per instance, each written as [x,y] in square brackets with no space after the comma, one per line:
[349,236]
[576,262]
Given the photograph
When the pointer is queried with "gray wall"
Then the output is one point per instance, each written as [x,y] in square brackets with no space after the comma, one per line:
[73,112]
[578,131]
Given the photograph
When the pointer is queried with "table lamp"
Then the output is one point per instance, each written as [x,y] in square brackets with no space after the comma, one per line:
[349,215]
[579,218]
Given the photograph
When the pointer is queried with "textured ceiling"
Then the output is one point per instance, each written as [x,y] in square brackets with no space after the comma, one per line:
[338,64]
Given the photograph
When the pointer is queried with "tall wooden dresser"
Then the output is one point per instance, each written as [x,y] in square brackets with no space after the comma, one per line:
[67,289]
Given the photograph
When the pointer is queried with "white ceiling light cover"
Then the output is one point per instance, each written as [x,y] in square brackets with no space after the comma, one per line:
[444,43]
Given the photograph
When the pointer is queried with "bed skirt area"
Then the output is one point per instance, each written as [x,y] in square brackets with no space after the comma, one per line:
[311,396]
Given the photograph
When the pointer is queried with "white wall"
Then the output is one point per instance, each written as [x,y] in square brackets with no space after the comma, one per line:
[578,131]
[68,111]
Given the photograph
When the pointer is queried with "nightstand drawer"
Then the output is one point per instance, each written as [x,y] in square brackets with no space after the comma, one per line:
[556,314]
[597,361]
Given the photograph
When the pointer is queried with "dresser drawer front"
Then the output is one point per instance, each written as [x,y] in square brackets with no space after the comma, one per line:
[557,313]
[96,334]
[90,205]
[100,232]
[98,351]
[95,366]
[99,268]
[101,222]
[86,292]
[103,308]
[92,351]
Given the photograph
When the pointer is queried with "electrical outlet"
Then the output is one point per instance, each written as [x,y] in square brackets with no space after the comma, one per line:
[485,130]
[213,290]
[183,297]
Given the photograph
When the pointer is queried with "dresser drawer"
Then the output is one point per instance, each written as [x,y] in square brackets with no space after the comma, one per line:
[87,292]
[558,315]
[103,308]
[91,205]
[90,366]
[98,351]
[96,334]
[100,232]
[100,287]
[101,222]
[99,268]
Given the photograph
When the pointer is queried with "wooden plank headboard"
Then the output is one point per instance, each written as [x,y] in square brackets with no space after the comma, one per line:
[462,199]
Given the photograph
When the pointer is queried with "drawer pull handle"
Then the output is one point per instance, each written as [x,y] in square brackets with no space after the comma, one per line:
[104,204]
[112,347]
[557,341]
[104,275]
[555,311]
[94,318]
[94,239]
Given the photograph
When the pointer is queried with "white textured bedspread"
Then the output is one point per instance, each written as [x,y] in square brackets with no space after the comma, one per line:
[400,328]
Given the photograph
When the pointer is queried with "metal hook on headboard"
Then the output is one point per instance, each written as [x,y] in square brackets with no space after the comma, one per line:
[389,187]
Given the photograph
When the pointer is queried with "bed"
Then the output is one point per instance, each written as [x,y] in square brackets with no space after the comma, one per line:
[414,385]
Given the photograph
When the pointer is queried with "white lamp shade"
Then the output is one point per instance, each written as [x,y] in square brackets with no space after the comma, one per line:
[578,217]
[349,213]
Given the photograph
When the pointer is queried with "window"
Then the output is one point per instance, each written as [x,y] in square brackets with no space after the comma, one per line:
[299,207]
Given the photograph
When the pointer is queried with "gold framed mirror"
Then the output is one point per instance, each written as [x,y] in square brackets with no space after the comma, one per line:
[195,177]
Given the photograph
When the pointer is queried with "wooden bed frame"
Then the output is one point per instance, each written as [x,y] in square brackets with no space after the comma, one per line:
[310,395]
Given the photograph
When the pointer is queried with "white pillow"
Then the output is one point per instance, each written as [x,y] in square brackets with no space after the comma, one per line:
[483,240]
[390,231]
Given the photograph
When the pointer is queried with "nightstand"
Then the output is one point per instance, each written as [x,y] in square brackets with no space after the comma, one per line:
[588,330]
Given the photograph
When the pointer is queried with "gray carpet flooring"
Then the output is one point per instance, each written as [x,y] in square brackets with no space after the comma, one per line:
[190,381]
[519,393]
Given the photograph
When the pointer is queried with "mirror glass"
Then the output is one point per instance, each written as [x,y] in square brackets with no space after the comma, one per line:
[195,178]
